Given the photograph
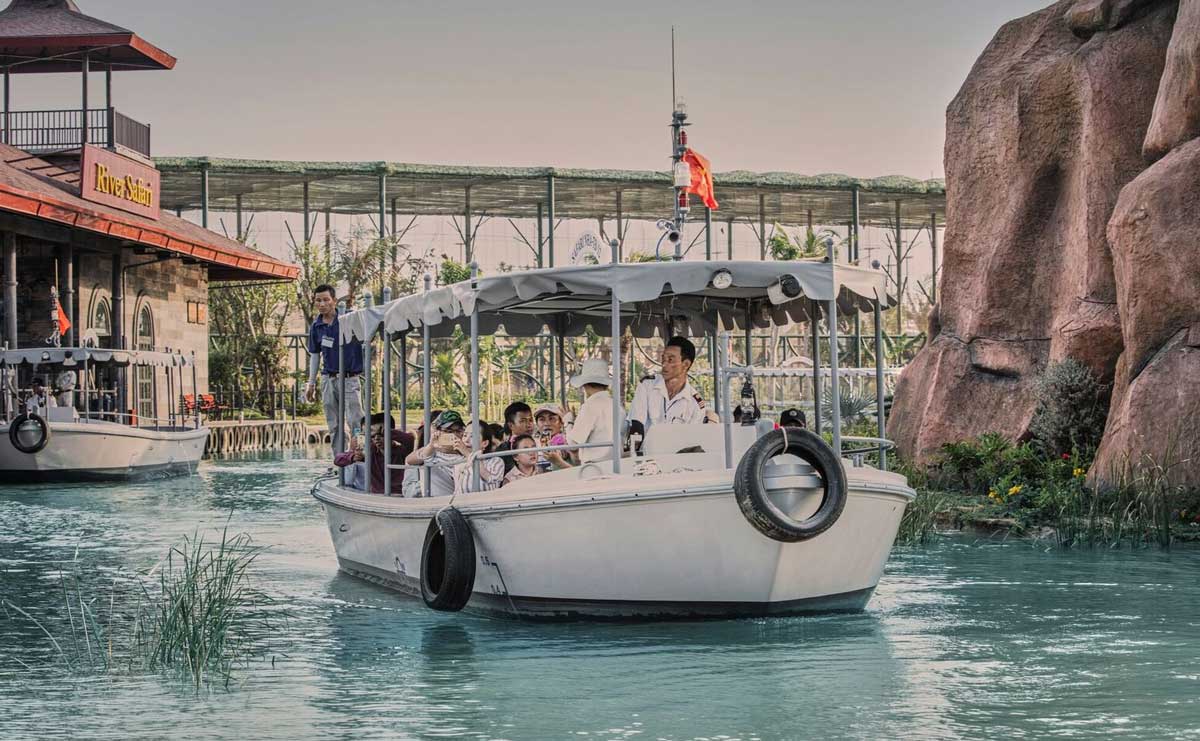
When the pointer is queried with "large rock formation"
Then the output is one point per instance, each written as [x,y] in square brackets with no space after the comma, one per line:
[1048,129]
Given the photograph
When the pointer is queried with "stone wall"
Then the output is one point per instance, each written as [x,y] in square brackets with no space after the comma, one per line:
[165,287]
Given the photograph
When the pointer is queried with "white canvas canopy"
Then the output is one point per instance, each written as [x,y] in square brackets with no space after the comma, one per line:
[69,356]
[654,298]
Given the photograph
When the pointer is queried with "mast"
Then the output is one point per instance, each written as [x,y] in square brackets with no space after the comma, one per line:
[681,173]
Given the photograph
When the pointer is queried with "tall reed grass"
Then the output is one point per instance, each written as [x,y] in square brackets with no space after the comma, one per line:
[195,611]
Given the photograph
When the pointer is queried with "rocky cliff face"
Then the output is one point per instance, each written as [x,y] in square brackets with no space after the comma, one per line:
[1060,239]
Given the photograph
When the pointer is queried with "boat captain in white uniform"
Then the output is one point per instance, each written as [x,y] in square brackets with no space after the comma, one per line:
[668,397]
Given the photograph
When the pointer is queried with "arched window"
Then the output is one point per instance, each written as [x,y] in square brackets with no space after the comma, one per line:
[144,340]
[101,322]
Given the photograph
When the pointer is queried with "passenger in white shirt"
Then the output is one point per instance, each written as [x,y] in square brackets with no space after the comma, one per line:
[668,397]
[39,399]
[593,424]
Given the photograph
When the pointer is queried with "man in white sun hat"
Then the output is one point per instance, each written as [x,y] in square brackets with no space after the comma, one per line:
[593,424]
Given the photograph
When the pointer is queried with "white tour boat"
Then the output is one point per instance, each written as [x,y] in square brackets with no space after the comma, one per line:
[80,432]
[709,520]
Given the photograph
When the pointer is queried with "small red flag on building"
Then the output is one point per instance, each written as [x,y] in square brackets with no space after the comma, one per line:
[64,324]
[702,180]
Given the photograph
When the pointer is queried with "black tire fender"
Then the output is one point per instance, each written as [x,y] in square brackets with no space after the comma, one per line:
[751,493]
[448,561]
[14,433]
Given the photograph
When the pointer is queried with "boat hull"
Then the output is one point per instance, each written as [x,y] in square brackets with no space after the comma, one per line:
[103,451]
[620,549]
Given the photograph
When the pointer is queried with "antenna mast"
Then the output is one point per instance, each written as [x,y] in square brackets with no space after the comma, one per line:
[681,174]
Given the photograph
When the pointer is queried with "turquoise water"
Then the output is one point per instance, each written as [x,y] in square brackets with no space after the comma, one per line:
[964,639]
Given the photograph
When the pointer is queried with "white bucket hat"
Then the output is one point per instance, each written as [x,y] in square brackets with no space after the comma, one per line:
[593,371]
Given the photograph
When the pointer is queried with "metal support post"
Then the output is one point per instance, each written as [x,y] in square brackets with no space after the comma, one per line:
[385,389]
[238,207]
[304,211]
[933,244]
[382,228]
[762,226]
[562,366]
[204,195]
[404,381]
[476,432]
[899,273]
[617,406]
[368,401]
[339,435]
[729,241]
[540,237]
[118,324]
[707,233]
[328,238]
[620,226]
[195,391]
[879,413]
[835,391]
[814,311]
[7,102]
[550,216]
[723,392]
[468,256]
[426,391]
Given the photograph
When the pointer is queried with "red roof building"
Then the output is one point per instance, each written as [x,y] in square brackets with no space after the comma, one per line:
[80,220]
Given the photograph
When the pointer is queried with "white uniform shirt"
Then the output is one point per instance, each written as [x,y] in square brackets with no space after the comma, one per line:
[593,425]
[651,404]
[34,405]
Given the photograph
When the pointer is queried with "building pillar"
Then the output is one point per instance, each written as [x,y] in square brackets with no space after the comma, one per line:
[83,125]
[109,111]
[550,215]
[67,291]
[10,290]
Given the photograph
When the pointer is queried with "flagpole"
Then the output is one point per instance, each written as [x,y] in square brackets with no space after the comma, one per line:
[680,172]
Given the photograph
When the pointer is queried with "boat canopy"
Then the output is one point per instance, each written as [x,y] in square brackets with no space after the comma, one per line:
[657,297]
[69,356]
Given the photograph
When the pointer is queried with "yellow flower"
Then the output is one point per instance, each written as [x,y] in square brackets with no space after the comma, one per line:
[992,494]
[1079,473]
[1015,490]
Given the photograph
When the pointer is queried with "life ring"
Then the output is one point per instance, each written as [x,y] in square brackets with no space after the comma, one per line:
[15,433]
[751,492]
[448,562]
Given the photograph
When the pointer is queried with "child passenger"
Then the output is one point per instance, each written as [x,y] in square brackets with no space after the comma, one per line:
[525,463]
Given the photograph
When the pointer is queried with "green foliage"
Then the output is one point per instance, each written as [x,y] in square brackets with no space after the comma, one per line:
[452,271]
[921,518]
[811,244]
[637,256]
[854,407]
[1072,407]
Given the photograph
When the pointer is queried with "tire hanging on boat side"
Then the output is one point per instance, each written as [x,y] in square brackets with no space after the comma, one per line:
[448,561]
[751,492]
[14,433]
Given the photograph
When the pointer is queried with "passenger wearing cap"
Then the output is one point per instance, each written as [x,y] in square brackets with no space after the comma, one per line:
[593,424]
[793,418]
[668,397]
[548,424]
[446,447]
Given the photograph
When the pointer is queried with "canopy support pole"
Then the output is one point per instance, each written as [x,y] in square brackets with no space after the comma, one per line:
[368,401]
[620,227]
[328,238]
[476,432]
[468,252]
[404,381]
[814,310]
[386,389]
[855,226]
[382,228]
[238,208]
[835,391]
[617,406]
[707,233]
[723,391]
[426,392]
[563,374]
[339,435]
[879,413]
[68,293]
[899,273]
[729,241]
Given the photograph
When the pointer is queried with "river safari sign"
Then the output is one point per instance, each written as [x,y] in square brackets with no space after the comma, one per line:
[120,182]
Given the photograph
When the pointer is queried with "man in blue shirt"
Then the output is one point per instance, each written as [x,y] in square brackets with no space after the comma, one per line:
[323,358]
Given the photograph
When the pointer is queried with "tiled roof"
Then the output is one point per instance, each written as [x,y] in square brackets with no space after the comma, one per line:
[52,35]
[33,187]
[51,18]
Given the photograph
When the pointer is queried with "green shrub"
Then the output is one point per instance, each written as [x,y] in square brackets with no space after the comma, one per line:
[1072,407]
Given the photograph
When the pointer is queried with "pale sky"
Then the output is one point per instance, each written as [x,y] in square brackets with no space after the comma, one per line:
[852,86]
